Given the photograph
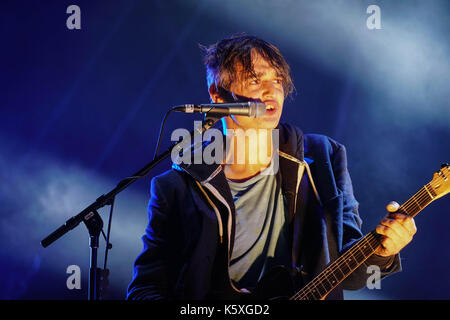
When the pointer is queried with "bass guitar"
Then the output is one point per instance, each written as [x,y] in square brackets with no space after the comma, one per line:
[278,281]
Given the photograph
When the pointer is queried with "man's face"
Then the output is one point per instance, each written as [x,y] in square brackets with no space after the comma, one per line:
[266,87]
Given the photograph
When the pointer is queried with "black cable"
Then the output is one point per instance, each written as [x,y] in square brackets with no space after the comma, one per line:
[163,123]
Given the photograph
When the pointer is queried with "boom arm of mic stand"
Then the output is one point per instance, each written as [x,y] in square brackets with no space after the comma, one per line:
[104,200]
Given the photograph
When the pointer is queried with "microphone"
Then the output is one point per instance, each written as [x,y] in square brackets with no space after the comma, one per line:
[249,109]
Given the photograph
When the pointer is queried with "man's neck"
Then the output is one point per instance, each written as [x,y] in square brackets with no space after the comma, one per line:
[251,157]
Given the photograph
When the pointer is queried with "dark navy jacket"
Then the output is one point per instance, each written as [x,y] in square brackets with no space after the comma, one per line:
[191,206]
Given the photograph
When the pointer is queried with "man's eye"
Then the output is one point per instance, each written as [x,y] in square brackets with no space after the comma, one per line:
[278,80]
[255,81]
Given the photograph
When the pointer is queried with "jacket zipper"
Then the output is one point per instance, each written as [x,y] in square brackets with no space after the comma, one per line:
[216,210]
[302,165]
[221,199]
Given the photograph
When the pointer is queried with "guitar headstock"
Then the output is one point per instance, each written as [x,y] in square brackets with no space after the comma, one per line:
[441,181]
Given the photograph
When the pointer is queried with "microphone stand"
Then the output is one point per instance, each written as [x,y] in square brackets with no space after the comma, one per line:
[94,222]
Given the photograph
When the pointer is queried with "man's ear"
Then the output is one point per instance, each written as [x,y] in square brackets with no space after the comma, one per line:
[214,94]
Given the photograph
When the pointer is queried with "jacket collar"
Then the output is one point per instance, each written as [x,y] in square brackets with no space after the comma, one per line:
[290,144]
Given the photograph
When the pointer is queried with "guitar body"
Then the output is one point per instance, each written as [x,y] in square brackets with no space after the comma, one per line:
[277,284]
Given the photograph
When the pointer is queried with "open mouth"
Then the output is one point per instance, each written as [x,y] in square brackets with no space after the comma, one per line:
[270,107]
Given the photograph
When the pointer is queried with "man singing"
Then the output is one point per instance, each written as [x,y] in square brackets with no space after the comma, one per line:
[215,230]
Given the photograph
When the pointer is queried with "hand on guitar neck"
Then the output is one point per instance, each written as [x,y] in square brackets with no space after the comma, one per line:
[397,230]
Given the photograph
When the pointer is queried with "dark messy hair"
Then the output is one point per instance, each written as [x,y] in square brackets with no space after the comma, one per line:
[220,60]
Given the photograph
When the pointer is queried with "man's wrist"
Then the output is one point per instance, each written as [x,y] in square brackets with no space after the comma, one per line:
[383,262]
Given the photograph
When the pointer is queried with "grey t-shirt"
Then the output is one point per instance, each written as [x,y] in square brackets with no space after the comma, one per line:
[261,236]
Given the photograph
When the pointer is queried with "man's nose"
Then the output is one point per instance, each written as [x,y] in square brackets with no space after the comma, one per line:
[268,88]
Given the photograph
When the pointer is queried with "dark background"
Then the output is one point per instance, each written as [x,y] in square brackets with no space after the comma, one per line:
[81,109]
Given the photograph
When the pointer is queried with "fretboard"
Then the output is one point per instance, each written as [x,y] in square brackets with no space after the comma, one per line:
[349,261]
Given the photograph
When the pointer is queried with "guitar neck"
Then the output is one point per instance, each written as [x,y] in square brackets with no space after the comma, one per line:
[341,268]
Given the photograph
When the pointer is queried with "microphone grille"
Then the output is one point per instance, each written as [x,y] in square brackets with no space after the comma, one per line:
[258,109]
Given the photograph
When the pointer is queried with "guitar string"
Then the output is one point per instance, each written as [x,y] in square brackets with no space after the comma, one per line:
[332,268]
[368,238]
[417,202]
[309,288]
[420,195]
[335,266]
[313,287]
